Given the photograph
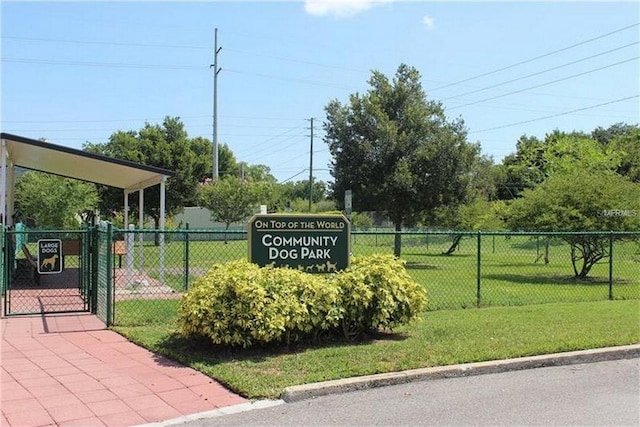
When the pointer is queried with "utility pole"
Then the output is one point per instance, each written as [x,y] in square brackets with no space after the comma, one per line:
[311,165]
[216,70]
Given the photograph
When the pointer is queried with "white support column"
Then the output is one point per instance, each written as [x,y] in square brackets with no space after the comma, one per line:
[141,227]
[162,220]
[126,209]
[10,195]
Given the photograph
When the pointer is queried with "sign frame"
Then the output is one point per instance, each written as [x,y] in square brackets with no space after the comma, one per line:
[50,253]
[314,243]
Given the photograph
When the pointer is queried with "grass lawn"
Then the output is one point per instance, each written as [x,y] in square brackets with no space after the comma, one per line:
[438,338]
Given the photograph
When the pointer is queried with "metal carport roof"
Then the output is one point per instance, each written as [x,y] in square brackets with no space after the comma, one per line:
[73,163]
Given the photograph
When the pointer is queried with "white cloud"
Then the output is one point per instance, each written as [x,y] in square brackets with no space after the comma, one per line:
[428,21]
[340,8]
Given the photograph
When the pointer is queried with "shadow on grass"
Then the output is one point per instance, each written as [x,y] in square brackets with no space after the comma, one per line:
[197,350]
[415,265]
[438,255]
[533,244]
[530,279]
[531,265]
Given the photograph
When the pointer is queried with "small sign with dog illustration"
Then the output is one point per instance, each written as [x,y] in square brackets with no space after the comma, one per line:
[49,256]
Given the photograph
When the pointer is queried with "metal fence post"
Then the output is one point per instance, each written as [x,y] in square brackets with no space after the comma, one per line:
[110,285]
[186,258]
[610,265]
[478,290]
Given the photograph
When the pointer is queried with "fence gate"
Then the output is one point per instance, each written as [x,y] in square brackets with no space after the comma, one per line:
[45,271]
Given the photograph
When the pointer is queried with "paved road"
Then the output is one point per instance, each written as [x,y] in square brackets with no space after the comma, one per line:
[603,393]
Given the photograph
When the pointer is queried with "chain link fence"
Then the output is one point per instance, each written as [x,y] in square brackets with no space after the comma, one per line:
[152,269]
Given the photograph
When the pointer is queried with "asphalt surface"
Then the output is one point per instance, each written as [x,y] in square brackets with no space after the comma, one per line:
[598,393]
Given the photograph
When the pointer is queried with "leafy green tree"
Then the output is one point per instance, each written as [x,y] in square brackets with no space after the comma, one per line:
[580,200]
[565,153]
[53,201]
[165,146]
[605,136]
[300,190]
[616,148]
[361,221]
[628,146]
[232,200]
[396,150]
[302,206]
[523,169]
[258,173]
[203,158]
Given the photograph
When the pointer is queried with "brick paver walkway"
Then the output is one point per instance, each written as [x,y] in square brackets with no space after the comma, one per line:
[68,370]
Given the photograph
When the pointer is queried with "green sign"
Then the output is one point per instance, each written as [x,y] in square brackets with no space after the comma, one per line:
[311,243]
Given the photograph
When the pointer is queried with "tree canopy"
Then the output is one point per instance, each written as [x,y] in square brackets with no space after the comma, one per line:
[52,201]
[616,148]
[166,146]
[396,150]
[231,199]
[580,200]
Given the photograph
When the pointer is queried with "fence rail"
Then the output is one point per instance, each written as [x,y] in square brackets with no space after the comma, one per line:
[458,269]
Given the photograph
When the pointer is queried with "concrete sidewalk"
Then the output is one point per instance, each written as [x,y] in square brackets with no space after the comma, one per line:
[69,370]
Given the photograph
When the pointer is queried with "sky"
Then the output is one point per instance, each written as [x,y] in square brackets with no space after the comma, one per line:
[76,72]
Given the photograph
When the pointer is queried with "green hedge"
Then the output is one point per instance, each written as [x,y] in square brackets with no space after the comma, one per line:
[240,304]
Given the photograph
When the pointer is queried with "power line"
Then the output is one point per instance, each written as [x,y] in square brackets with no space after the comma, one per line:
[258,152]
[290,178]
[170,46]
[298,61]
[291,79]
[556,115]
[102,64]
[97,121]
[526,61]
[543,71]
[106,43]
[546,84]
[147,119]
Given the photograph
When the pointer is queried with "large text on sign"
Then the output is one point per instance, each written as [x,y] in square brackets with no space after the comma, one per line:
[316,244]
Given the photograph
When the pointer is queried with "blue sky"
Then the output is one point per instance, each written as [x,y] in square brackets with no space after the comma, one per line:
[78,71]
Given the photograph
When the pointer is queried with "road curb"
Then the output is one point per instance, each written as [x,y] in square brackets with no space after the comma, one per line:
[308,391]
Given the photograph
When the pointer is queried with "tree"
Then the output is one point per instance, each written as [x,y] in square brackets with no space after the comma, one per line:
[53,201]
[300,190]
[258,173]
[580,200]
[165,146]
[628,145]
[564,153]
[524,169]
[202,148]
[605,136]
[231,199]
[396,150]
[616,148]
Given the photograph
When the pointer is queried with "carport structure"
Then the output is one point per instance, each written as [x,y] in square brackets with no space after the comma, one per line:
[131,177]
[17,151]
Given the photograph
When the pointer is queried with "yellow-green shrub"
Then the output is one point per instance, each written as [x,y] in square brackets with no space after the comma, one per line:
[377,293]
[240,304]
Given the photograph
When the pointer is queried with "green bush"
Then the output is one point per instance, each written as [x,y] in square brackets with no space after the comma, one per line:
[361,221]
[377,293]
[240,304]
